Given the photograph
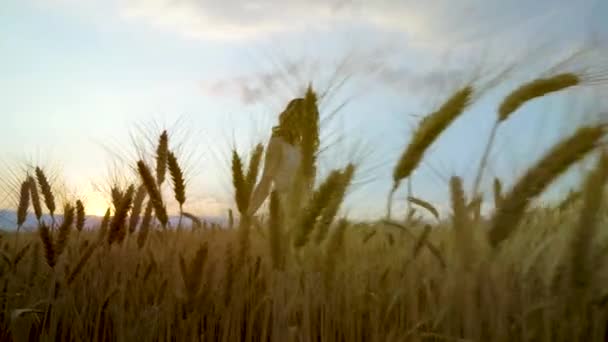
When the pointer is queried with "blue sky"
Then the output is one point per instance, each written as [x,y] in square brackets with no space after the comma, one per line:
[78,77]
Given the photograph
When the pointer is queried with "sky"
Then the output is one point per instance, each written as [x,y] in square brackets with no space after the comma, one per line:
[81,80]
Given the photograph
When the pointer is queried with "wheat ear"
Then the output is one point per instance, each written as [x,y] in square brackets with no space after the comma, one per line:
[153,193]
[138,202]
[329,213]
[35,197]
[64,230]
[47,193]
[526,92]
[179,184]
[24,203]
[47,244]
[145,226]
[162,152]
[118,225]
[428,131]
[585,232]
[320,200]
[240,186]
[424,204]
[80,215]
[536,179]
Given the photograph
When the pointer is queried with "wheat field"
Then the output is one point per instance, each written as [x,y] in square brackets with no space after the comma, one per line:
[524,272]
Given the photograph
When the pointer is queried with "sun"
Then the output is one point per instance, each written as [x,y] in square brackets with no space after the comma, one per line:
[96,204]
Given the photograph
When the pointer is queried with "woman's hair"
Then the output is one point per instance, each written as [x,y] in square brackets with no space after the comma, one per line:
[291,122]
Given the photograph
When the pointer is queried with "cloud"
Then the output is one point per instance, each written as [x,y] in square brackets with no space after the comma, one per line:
[421,20]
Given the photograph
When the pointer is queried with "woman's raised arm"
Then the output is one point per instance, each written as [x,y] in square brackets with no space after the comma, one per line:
[271,164]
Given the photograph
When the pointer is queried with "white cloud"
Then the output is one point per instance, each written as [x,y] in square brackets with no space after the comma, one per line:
[421,20]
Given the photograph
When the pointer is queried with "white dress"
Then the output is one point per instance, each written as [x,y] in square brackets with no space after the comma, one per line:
[291,157]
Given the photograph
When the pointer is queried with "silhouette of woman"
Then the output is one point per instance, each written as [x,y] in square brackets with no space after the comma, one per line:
[283,157]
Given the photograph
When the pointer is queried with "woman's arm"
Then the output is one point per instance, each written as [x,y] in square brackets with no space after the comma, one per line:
[271,163]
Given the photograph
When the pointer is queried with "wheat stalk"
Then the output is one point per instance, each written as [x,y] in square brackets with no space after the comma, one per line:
[192,275]
[80,264]
[335,248]
[572,197]
[230,219]
[197,223]
[421,241]
[230,271]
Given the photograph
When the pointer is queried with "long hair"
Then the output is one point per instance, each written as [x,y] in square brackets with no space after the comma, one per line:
[291,122]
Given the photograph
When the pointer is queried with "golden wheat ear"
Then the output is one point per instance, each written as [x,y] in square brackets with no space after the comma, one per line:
[329,213]
[425,205]
[116,195]
[321,198]
[138,202]
[47,244]
[35,197]
[80,215]
[580,257]
[162,152]
[47,193]
[118,225]
[254,168]
[24,203]
[564,154]
[516,99]
[177,175]
[535,89]
[146,224]
[64,230]
[463,236]
[153,193]
[428,131]
[240,186]
[103,227]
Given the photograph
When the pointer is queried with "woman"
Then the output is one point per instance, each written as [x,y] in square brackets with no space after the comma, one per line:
[283,157]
